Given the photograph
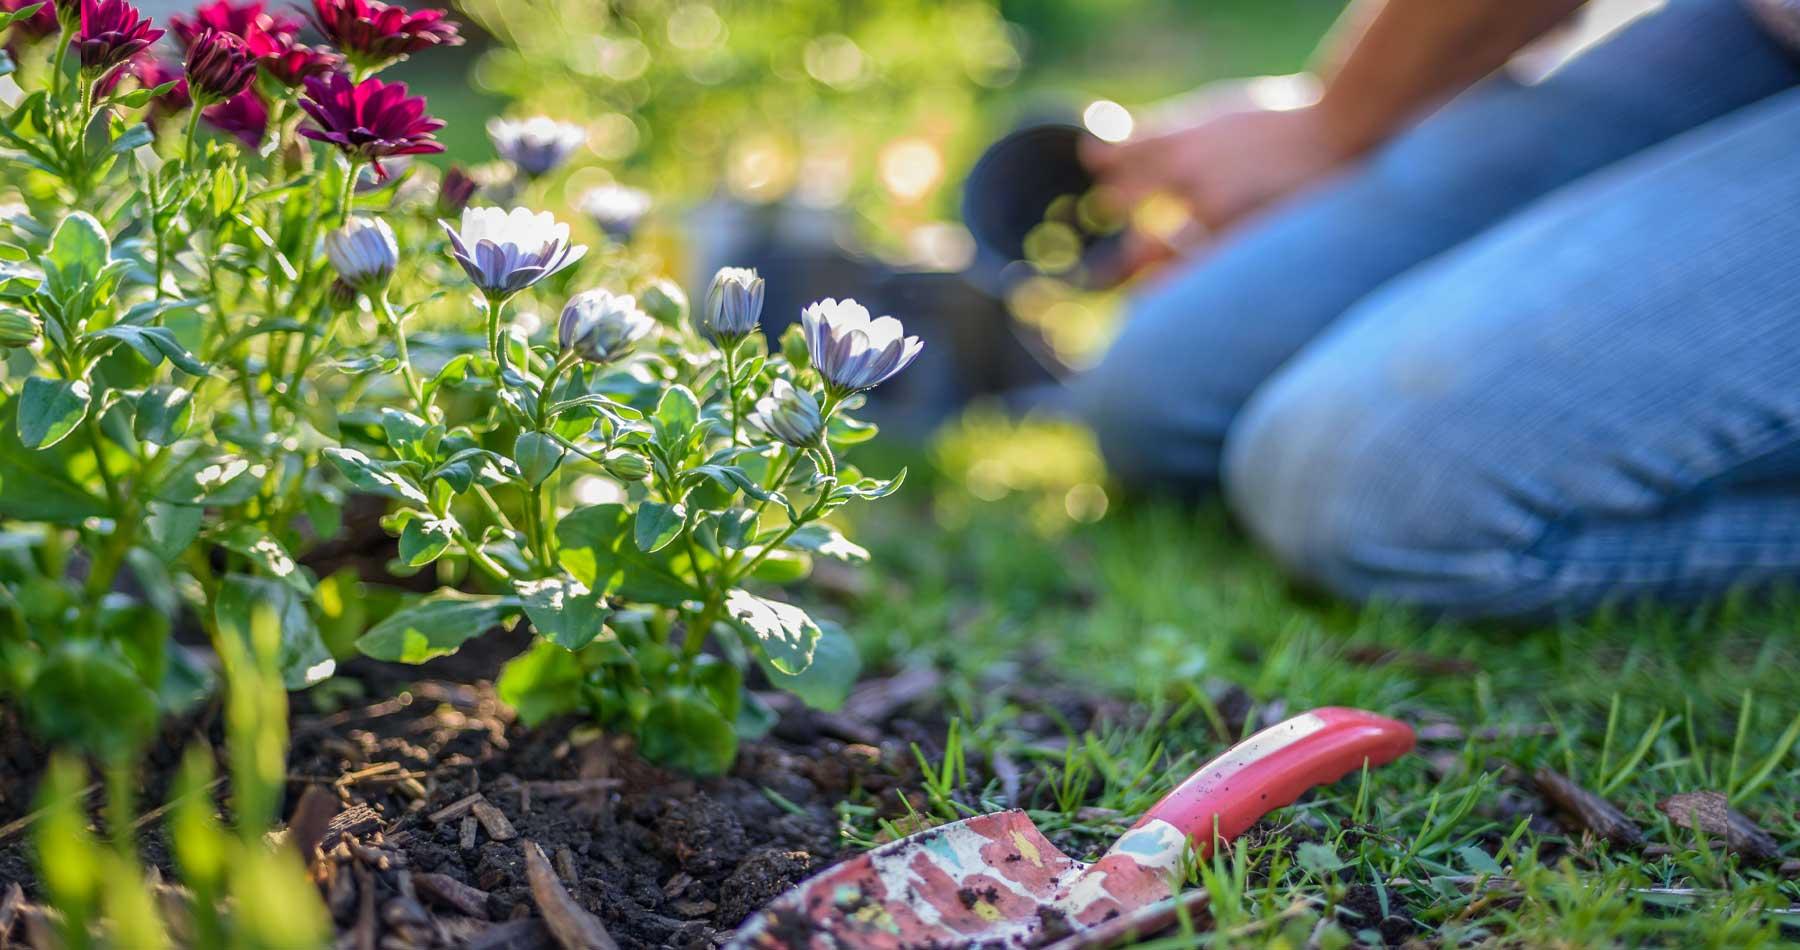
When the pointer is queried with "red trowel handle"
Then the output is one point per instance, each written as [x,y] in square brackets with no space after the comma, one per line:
[1276,766]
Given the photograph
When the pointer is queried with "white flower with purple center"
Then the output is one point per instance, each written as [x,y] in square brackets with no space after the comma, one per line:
[851,351]
[536,146]
[616,209]
[600,326]
[505,252]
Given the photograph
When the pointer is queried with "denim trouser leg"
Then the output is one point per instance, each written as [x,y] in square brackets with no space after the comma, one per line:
[1598,399]
[1195,348]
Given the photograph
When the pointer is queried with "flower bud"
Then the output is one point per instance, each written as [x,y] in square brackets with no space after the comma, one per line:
[625,466]
[18,328]
[790,414]
[664,300]
[340,296]
[733,305]
[364,253]
[219,66]
[600,326]
[455,191]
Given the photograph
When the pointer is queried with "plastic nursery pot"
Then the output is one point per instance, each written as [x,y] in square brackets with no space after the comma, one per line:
[1032,182]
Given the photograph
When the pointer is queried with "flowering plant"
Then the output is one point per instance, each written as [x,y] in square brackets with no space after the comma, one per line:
[221,350]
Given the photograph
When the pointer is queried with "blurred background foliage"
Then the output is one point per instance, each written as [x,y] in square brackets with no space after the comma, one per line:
[866,114]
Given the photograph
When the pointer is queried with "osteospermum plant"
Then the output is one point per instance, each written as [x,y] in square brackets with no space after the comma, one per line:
[230,306]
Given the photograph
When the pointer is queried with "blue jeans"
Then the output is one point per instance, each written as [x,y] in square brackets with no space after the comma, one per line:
[1539,353]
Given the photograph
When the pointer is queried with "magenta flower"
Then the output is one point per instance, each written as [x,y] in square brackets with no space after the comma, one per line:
[288,62]
[369,120]
[241,20]
[219,66]
[112,32]
[373,34]
[244,117]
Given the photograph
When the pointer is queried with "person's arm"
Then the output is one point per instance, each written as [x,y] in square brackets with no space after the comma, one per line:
[1231,152]
[1388,61]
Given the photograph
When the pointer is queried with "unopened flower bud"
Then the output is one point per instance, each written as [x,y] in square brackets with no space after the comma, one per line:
[790,414]
[733,305]
[455,191]
[364,253]
[18,328]
[664,300]
[600,326]
[625,466]
[340,295]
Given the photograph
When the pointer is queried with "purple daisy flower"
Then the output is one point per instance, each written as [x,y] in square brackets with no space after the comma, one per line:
[369,120]
[851,351]
[374,34]
[112,32]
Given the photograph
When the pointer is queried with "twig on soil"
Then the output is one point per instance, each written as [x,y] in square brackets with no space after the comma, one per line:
[18,825]
[1711,812]
[493,821]
[1596,814]
[573,927]
[466,835]
[452,893]
[456,809]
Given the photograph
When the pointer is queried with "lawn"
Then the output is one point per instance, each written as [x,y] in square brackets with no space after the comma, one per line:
[1169,610]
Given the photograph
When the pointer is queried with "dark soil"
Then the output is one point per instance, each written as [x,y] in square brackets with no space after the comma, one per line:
[423,806]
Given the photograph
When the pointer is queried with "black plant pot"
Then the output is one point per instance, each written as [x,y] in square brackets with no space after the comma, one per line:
[1009,192]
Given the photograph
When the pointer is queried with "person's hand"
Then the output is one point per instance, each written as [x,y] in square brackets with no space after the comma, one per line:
[1225,153]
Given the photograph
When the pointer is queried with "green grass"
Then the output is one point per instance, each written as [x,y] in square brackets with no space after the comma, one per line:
[1163,606]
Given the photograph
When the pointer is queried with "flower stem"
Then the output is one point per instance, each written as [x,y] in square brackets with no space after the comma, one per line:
[350,170]
[406,368]
[63,40]
[192,136]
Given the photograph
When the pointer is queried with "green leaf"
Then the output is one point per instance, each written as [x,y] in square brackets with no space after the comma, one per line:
[869,489]
[86,694]
[435,626]
[169,529]
[9,17]
[657,524]
[676,418]
[598,549]
[242,602]
[208,479]
[80,248]
[50,409]
[382,478]
[684,731]
[538,455]
[265,553]
[563,611]
[425,539]
[786,633]
[821,538]
[153,344]
[541,683]
[37,486]
[828,681]
[1318,858]
[406,433]
[163,413]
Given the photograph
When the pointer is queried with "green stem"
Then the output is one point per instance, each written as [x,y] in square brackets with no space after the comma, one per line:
[349,196]
[496,343]
[58,61]
[551,375]
[416,391]
[731,388]
[191,137]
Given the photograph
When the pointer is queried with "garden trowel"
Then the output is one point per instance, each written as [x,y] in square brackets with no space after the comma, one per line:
[996,881]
